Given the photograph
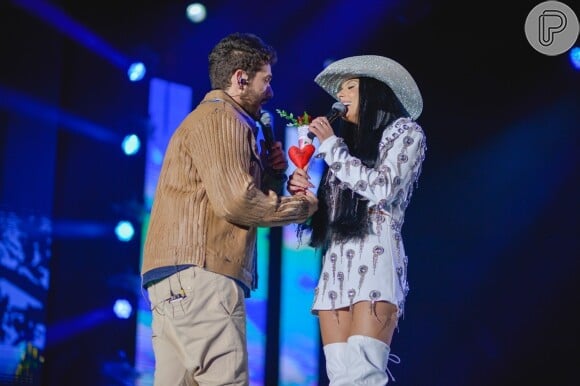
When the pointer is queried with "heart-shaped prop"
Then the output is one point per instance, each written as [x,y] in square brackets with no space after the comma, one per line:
[300,157]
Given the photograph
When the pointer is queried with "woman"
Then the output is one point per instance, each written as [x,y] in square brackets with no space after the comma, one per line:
[363,195]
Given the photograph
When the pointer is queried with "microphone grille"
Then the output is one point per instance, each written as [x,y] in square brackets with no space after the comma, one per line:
[266,118]
[339,107]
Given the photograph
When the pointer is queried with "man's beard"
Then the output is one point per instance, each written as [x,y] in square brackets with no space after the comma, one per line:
[255,100]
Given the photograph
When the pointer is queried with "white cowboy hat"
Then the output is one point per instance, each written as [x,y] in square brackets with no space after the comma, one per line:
[378,67]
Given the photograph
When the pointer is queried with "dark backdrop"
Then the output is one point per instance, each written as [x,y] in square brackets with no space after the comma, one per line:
[492,229]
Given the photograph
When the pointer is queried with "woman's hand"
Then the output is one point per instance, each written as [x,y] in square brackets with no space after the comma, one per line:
[299,183]
[321,128]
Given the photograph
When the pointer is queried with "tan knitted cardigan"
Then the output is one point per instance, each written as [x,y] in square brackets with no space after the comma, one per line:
[208,201]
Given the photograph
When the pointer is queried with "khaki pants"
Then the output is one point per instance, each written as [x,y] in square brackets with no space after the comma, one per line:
[199,339]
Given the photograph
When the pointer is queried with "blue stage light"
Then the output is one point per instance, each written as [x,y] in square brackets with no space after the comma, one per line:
[123,309]
[24,104]
[124,231]
[196,12]
[131,144]
[136,71]
[575,57]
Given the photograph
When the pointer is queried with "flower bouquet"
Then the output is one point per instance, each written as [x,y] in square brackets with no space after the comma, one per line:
[300,155]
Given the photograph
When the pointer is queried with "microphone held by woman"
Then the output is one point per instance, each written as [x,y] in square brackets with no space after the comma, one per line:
[337,110]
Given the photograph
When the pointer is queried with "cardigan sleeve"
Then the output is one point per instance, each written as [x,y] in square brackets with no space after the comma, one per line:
[220,149]
[273,181]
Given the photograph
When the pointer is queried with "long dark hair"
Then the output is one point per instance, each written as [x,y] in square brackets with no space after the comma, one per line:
[343,214]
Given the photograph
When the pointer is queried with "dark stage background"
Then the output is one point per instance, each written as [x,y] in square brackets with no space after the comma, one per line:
[492,230]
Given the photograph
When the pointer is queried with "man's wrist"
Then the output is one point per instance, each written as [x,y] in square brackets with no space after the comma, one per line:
[278,174]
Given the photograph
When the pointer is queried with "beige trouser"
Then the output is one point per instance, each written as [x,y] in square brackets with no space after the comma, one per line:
[199,339]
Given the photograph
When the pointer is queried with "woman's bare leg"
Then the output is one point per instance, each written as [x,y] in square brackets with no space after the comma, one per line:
[335,325]
[369,343]
[378,322]
[334,328]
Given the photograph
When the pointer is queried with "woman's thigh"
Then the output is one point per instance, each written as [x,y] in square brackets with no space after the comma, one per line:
[377,320]
[334,325]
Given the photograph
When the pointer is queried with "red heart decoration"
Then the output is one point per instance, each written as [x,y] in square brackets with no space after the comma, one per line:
[300,157]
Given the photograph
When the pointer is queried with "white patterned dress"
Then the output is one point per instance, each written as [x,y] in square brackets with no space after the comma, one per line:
[376,268]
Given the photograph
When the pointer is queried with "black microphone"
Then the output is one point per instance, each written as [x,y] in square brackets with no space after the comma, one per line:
[337,110]
[266,122]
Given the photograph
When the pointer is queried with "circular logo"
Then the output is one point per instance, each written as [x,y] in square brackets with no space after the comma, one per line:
[552,28]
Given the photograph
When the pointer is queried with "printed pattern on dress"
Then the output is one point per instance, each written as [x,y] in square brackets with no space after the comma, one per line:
[379,273]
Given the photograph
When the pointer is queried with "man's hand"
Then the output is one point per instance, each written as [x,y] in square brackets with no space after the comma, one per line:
[274,158]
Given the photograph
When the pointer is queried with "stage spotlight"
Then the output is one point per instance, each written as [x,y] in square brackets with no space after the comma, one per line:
[123,309]
[575,57]
[124,231]
[136,71]
[131,144]
[196,12]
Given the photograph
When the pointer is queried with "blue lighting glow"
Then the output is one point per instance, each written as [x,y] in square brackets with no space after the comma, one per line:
[124,231]
[73,29]
[123,309]
[136,71]
[575,57]
[131,144]
[24,104]
[327,62]
[196,12]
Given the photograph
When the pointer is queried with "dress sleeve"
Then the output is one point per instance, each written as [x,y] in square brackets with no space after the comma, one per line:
[401,153]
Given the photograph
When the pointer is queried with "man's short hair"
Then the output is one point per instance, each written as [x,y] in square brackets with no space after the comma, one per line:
[243,51]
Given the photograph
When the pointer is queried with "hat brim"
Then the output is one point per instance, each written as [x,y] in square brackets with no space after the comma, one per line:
[381,68]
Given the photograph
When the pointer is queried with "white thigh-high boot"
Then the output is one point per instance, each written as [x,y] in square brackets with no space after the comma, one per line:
[336,364]
[367,361]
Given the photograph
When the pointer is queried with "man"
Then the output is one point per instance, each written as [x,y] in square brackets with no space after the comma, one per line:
[199,257]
